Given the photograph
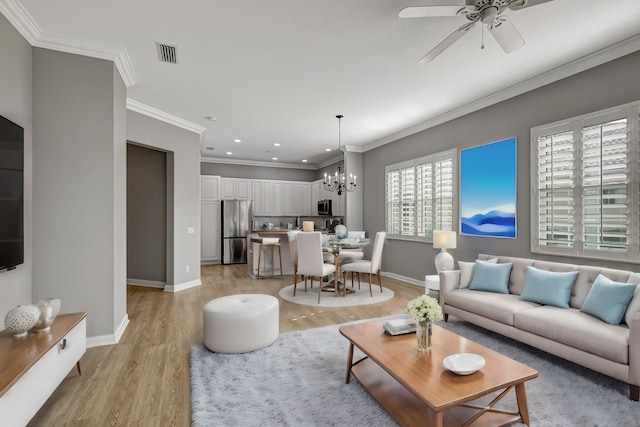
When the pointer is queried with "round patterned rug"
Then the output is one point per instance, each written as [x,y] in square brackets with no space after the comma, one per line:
[359,297]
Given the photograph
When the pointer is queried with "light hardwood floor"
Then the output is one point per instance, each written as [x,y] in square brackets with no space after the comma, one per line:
[144,379]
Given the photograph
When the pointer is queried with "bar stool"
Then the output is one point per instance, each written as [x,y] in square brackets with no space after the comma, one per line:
[270,243]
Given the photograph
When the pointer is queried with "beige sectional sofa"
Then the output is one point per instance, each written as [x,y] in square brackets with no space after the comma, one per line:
[569,333]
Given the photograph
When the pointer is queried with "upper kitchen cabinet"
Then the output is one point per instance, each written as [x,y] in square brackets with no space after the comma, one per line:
[209,187]
[262,197]
[236,188]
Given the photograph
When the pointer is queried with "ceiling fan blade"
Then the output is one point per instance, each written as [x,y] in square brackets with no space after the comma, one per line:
[444,44]
[521,4]
[434,11]
[506,34]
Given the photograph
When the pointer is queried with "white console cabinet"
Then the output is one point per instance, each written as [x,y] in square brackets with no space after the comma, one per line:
[32,367]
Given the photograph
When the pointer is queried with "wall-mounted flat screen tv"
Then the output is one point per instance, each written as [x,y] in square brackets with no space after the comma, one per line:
[11,194]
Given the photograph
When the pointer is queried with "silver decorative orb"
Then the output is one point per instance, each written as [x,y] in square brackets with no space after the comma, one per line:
[22,318]
[46,316]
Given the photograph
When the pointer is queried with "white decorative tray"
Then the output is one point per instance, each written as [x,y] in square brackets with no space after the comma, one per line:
[463,363]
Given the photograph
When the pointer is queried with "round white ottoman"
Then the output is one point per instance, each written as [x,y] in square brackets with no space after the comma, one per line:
[241,323]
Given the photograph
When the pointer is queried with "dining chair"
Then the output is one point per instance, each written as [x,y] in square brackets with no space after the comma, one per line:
[367,266]
[310,259]
[293,252]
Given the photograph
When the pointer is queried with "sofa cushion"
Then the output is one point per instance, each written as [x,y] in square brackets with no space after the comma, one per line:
[492,305]
[576,329]
[491,277]
[467,269]
[634,305]
[608,300]
[548,287]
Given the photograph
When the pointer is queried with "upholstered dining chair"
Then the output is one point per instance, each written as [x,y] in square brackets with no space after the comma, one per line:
[310,259]
[293,252]
[367,266]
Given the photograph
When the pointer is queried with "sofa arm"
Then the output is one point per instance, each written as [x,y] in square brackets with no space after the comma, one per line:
[449,280]
[634,350]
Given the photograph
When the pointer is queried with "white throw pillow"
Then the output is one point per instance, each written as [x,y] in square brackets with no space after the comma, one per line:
[467,269]
[634,305]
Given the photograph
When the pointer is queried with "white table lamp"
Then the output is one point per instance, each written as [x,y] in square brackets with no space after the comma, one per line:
[444,240]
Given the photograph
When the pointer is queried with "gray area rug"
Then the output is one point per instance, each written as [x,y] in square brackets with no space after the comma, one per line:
[299,381]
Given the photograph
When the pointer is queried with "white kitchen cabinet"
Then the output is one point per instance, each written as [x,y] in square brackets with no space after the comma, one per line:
[277,198]
[235,188]
[262,197]
[287,198]
[302,194]
[210,231]
[210,187]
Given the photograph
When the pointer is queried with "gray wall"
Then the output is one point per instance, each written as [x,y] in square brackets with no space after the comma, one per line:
[257,172]
[15,105]
[183,193]
[79,160]
[146,214]
[608,85]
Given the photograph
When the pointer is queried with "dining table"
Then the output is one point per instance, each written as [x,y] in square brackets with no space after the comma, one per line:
[334,246]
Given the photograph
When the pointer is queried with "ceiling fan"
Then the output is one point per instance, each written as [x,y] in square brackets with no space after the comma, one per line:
[486,11]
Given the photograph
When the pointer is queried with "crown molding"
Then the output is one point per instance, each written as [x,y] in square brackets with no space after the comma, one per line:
[22,20]
[240,162]
[353,149]
[152,112]
[584,63]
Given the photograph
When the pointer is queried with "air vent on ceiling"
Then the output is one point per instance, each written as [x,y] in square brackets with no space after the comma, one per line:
[167,53]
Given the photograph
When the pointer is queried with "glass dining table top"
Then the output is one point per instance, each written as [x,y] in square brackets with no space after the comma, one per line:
[345,243]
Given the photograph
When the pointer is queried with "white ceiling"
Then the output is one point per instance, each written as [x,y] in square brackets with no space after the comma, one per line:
[279,71]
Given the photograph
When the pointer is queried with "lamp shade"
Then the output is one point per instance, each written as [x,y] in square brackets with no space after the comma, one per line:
[444,239]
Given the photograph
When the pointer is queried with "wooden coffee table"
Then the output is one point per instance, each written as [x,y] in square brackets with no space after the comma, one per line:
[417,390]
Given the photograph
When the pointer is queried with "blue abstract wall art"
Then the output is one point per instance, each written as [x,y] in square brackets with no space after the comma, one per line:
[488,189]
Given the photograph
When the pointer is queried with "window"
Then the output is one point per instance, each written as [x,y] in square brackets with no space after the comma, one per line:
[585,174]
[419,196]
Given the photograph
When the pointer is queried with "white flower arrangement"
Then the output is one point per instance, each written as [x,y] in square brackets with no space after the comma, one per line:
[424,308]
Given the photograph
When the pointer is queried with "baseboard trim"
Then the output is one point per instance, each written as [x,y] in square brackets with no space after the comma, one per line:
[109,339]
[182,286]
[147,283]
[410,280]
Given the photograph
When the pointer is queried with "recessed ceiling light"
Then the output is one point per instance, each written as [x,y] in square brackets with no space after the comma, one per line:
[304,161]
[210,118]
[327,149]
[277,144]
[237,141]
[274,158]
[229,153]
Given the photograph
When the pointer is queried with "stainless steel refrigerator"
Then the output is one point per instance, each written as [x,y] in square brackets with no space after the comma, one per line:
[237,218]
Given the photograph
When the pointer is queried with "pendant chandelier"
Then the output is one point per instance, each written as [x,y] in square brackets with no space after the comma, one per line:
[337,181]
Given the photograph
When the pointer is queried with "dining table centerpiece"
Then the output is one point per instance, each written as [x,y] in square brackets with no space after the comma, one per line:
[424,310]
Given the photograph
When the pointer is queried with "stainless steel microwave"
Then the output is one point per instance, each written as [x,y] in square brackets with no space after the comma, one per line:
[324,207]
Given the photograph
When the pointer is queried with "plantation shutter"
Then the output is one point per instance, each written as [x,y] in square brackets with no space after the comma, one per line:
[443,195]
[555,190]
[604,185]
[393,202]
[586,199]
[419,196]
[424,202]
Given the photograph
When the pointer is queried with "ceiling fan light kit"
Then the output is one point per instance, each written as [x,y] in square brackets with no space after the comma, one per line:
[487,12]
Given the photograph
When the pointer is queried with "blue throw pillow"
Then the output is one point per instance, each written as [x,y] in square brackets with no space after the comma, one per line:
[548,287]
[608,300]
[491,277]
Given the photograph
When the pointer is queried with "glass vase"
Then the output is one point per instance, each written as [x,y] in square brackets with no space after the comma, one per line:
[423,333]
